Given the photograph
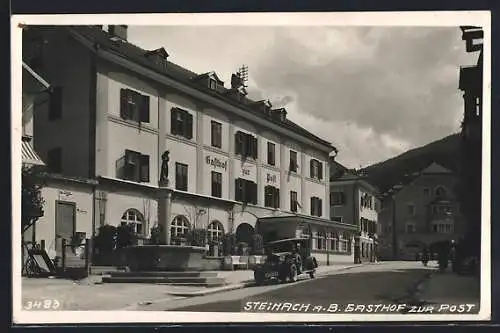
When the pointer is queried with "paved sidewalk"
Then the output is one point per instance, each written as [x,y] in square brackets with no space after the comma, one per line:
[92,294]
[451,288]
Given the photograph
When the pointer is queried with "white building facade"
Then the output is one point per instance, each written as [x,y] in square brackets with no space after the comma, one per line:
[231,160]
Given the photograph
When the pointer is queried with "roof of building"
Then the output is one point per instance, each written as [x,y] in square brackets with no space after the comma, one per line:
[341,173]
[102,39]
[434,168]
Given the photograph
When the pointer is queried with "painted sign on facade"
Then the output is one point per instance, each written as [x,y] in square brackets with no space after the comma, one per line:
[216,162]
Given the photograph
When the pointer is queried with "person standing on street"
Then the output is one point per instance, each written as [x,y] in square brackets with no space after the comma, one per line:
[453,256]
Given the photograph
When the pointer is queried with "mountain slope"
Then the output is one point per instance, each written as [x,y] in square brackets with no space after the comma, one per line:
[392,171]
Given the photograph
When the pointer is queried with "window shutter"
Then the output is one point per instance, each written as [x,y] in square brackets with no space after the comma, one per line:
[144,118]
[238,139]
[145,168]
[320,170]
[311,168]
[312,206]
[238,193]
[320,207]
[254,192]
[189,126]
[124,103]
[255,147]
[276,198]
[173,121]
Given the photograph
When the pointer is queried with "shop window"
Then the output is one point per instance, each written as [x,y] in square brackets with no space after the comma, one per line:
[321,240]
[333,241]
[344,243]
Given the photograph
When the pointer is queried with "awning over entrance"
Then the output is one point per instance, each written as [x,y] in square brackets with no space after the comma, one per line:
[308,220]
[29,155]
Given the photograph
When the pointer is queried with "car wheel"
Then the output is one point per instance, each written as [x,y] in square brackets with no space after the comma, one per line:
[293,273]
[259,277]
[312,274]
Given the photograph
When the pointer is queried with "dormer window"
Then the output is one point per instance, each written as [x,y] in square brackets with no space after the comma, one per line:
[209,80]
[212,84]
[159,56]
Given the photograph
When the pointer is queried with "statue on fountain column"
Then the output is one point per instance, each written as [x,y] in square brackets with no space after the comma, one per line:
[165,158]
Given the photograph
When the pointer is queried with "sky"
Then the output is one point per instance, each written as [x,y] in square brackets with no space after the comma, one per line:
[373,92]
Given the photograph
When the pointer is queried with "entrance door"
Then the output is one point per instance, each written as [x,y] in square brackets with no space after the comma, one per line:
[65,222]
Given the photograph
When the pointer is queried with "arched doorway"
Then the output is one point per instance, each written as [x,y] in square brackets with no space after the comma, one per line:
[244,233]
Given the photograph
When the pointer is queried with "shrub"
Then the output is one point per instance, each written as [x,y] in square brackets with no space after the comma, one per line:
[156,235]
[198,237]
[125,236]
[257,244]
[229,244]
[105,241]
[32,202]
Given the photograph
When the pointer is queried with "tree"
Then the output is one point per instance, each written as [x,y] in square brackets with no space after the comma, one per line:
[32,201]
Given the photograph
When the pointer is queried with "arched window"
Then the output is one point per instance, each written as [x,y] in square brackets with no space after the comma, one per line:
[440,191]
[135,219]
[215,231]
[179,228]
[333,241]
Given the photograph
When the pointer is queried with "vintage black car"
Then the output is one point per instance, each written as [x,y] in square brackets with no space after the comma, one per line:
[286,259]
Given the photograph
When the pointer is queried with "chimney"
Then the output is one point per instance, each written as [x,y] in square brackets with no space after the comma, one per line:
[279,114]
[118,31]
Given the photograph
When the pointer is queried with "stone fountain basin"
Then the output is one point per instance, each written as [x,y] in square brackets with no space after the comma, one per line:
[168,258]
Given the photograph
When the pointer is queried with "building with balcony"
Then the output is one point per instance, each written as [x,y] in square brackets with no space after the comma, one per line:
[421,213]
[354,201]
[173,148]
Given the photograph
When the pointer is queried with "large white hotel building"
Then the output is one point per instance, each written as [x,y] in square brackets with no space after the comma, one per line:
[234,164]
